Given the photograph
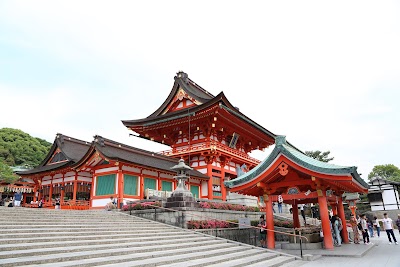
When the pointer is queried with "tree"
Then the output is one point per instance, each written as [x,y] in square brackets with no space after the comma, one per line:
[19,148]
[318,155]
[6,173]
[388,172]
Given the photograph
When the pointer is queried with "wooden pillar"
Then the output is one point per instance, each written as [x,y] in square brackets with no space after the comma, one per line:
[75,189]
[223,189]
[270,222]
[62,190]
[34,193]
[295,211]
[353,210]
[334,208]
[141,185]
[120,187]
[210,182]
[51,190]
[158,182]
[343,218]
[324,213]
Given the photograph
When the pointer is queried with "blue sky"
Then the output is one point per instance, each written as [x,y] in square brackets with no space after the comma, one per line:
[325,74]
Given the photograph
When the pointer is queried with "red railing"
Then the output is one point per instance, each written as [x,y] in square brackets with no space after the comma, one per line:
[209,146]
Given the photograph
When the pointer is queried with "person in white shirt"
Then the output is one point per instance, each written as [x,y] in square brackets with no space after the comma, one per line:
[364,226]
[388,227]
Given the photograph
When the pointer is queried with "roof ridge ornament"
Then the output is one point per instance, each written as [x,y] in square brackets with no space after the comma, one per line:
[280,140]
[182,75]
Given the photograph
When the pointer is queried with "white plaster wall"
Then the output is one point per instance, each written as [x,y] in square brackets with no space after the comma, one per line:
[46,182]
[84,179]
[69,179]
[150,173]
[107,170]
[57,181]
[100,202]
[130,169]
[204,188]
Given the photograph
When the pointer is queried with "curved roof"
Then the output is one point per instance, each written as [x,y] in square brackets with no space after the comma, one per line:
[283,148]
[116,151]
[73,149]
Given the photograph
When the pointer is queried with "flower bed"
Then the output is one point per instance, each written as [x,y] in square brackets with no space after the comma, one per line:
[226,206]
[140,206]
[209,224]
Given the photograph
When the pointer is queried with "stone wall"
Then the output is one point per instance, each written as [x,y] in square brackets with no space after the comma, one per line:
[181,216]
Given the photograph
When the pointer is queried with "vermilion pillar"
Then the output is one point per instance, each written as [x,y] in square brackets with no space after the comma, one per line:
[295,211]
[75,190]
[50,192]
[270,222]
[120,187]
[343,218]
[334,208]
[210,182]
[223,189]
[324,213]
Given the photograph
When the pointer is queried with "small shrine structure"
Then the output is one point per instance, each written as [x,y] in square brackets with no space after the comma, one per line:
[299,179]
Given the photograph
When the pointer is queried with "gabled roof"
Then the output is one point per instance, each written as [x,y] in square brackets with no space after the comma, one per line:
[183,82]
[115,151]
[73,149]
[206,101]
[283,148]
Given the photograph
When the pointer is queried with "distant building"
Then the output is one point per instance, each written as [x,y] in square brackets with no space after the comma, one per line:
[383,194]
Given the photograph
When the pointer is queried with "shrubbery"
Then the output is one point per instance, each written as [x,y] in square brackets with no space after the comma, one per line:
[208,224]
[226,206]
[140,206]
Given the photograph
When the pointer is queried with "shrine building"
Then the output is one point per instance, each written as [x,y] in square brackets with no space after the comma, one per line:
[213,137]
[297,179]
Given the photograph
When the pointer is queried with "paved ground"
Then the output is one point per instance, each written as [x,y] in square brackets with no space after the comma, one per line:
[380,254]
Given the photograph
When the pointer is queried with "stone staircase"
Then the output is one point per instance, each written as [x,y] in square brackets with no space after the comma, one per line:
[43,237]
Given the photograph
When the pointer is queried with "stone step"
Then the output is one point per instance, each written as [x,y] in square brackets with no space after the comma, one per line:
[76,226]
[137,236]
[107,255]
[242,258]
[155,258]
[137,232]
[127,241]
[141,247]
[89,228]
[274,262]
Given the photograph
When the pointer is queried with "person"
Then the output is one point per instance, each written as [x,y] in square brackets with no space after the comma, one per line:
[40,204]
[364,227]
[280,201]
[110,205]
[370,229]
[273,207]
[58,206]
[354,226]
[388,227]
[263,233]
[17,198]
[377,226]
[302,213]
[398,222]
[337,227]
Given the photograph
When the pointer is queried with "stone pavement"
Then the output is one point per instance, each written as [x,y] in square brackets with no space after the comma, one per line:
[380,254]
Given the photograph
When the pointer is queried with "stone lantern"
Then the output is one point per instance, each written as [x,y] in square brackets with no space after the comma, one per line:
[181,197]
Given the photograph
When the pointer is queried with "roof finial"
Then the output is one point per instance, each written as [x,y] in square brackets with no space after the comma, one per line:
[280,140]
[182,75]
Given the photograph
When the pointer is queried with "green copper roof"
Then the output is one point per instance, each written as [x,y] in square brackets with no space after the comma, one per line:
[282,147]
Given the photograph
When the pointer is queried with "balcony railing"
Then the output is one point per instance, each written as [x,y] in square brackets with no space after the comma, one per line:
[213,146]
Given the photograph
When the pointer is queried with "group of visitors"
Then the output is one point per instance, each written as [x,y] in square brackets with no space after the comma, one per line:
[13,201]
[366,227]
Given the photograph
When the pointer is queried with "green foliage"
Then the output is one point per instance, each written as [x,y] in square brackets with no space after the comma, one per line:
[388,172]
[318,155]
[6,173]
[19,148]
